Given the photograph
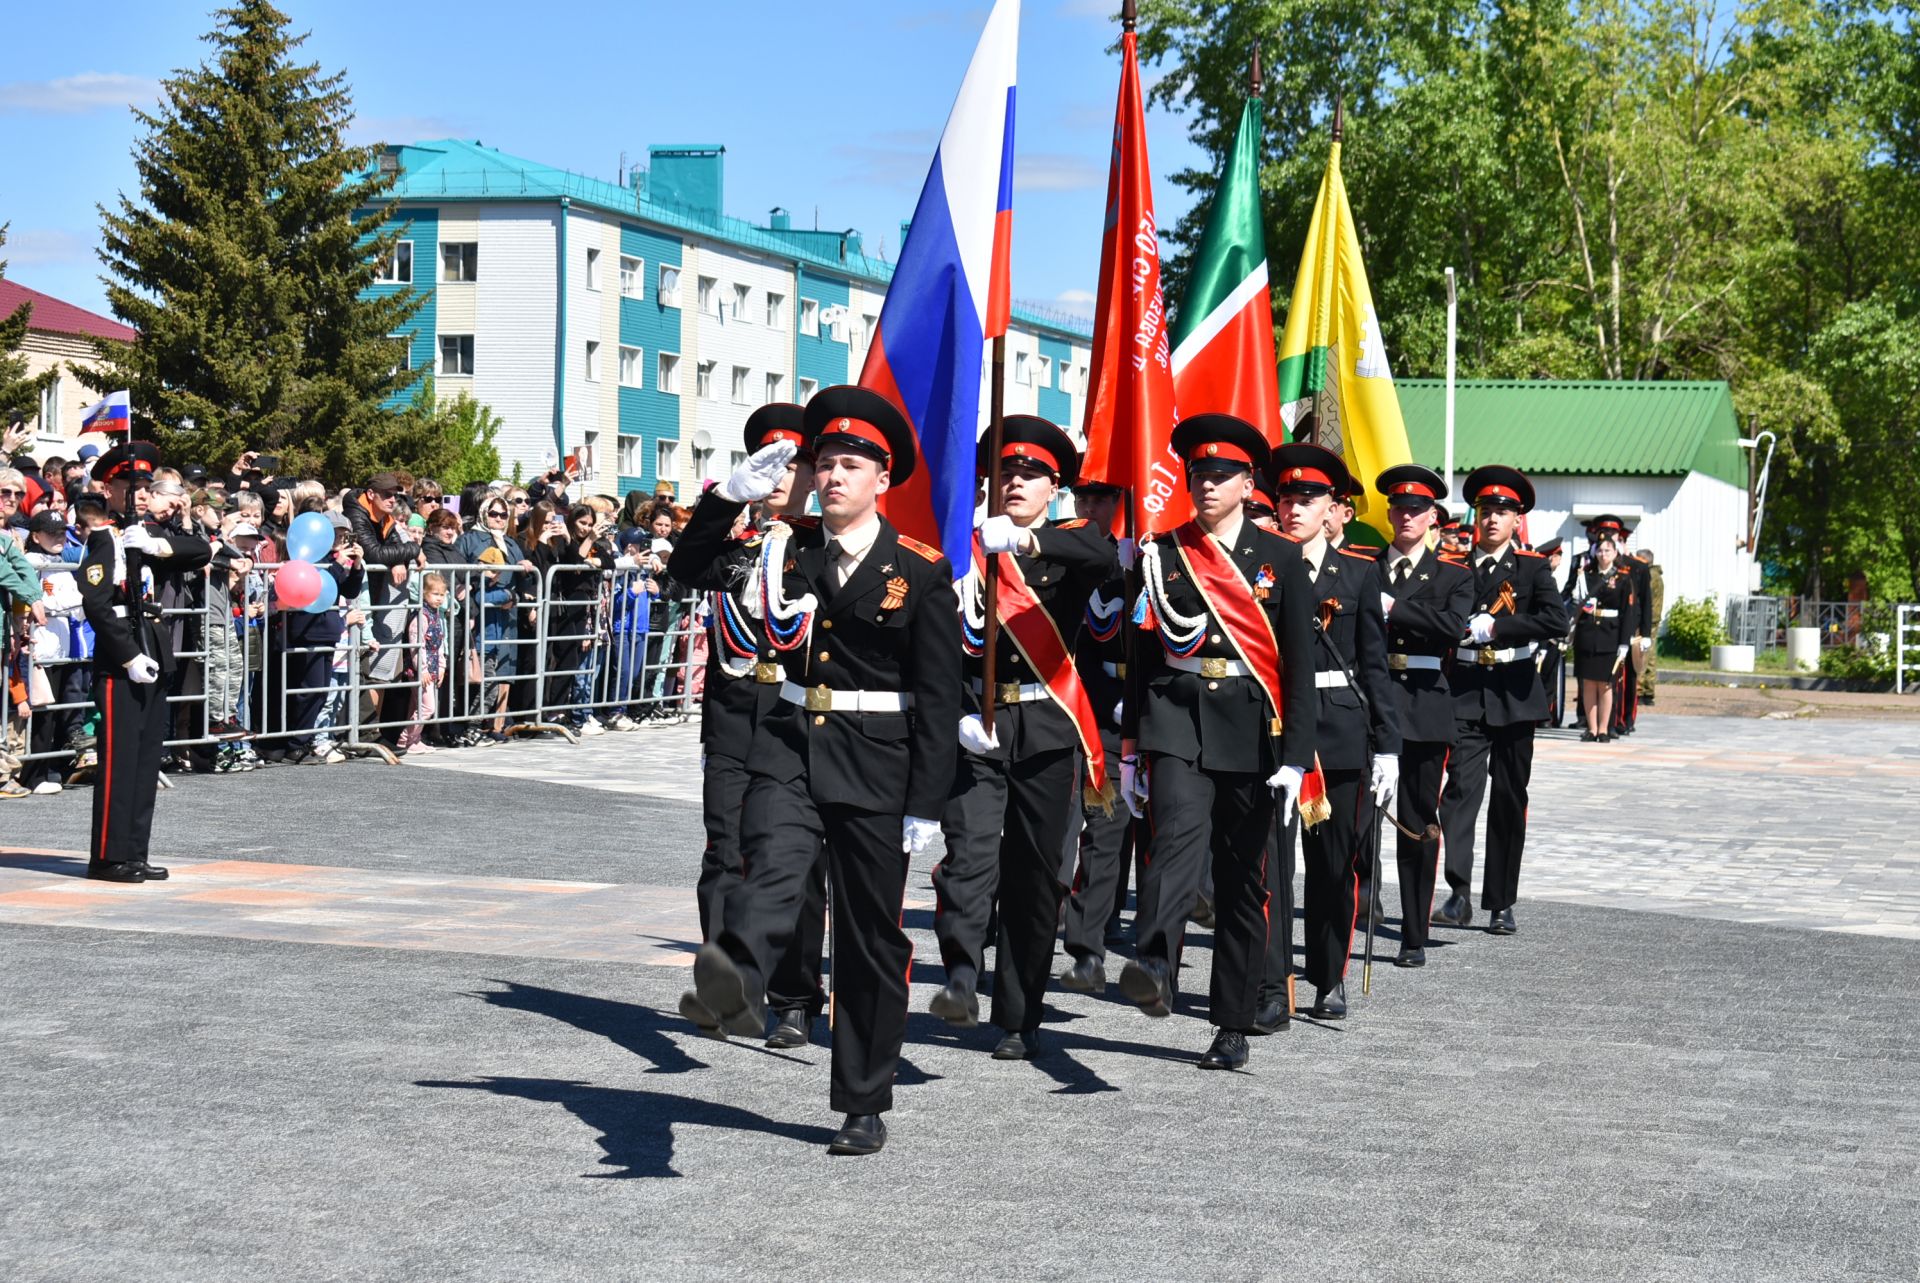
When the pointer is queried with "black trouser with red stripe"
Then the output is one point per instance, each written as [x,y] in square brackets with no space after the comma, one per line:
[781,830]
[1280,866]
[1503,754]
[1100,851]
[1203,818]
[1422,768]
[1328,851]
[133,730]
[795,982]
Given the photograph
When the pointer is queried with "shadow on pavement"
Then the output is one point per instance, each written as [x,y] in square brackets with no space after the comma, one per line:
[66,866]
[637,1127]
[627,1025]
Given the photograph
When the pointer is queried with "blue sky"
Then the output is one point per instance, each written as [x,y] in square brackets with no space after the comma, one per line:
[834,104]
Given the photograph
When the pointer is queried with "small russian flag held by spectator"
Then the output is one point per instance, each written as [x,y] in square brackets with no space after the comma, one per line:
[112,413]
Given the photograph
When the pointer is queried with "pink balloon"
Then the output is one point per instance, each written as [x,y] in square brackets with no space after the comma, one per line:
[297,584]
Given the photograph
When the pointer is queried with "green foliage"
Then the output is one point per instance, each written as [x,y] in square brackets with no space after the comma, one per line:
[452,443]
[17,391]
[1859,663]
[1694,628]
[244,260]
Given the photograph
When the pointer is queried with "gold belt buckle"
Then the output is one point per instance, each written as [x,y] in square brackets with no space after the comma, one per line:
[819,699]
[1397,663]
[1486,658]
[767,672]
[1213,668]
[1006,693]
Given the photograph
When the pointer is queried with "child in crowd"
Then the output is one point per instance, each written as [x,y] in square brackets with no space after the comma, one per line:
[428,636]
[62,643]
[236,606]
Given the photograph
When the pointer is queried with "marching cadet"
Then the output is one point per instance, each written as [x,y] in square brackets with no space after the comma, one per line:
[1427,598]
[131,660]
[1498,699]
[1340,516]
[1604,615]
[1273,1012]
[1358,729]
[741,688]
[1222,713]
[859,754]
[1018,791]
[1103,847]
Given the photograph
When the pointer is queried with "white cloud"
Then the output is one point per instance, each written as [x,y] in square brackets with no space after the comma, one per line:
[894,158]
[72,95]
[34,246]
[1078,302]
[1056,172]
[366,130]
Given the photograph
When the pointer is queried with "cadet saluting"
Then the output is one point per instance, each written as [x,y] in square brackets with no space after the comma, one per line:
[1498,699]
[1223,712]
[859,753]
[130,661]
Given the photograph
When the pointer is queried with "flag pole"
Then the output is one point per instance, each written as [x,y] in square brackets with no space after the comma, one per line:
[996,439]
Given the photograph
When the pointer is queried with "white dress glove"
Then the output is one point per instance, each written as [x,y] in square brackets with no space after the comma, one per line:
[143,669]
[1385,783]
[140,539]
[1133,786]
[1286,782]
[1120,712]
[1129,552]
[1480,627]
[1386,603]
[916,834]
[1001,534]
[1619,654]
[975,737]
[755,479]
[1646,643]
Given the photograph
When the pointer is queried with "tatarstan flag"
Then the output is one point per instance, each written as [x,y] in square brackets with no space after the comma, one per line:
[1333,362]
[1223,359]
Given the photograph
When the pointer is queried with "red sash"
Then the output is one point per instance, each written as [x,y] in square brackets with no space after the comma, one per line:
[1038,639]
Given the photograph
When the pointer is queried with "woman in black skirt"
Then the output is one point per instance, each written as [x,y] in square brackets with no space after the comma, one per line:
[1602,601]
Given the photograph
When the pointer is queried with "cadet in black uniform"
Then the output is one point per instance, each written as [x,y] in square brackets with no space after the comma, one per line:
[1551,658]
[1605,613]
[1340,518]
[741,688]
[1427,599]
[131,661]
[1275,1009]
[859,753]
[1018,793]
[1498,699]
[1098,855]
[1223,715]
[1358,730]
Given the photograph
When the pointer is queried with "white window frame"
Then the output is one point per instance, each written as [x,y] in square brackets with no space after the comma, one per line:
[706,299]
[592,363]
[807,388]
[741,374]
[776,311]
[441,364]
[775,381]
[810,317]
[668,292]
[404,341]
[667,375]
[702,464]
[703,379]
[633,276]
[868,324]
[593,269]
[626,458]
[388,272]
[49,423]
[742,304]
[1022,370]
[1043,371]
[469,262]
[630,367]
[666,461]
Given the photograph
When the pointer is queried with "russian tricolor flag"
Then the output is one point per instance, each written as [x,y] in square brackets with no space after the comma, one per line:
[950,294]
[112,413]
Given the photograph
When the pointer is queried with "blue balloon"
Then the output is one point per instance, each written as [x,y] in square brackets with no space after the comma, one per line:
[310,537]
[329,591]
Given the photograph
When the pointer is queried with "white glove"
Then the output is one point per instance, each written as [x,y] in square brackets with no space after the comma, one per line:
[1385,783]
[755,479]
[1646,643]
[975,737]
[1133,786]
[1001,534]
[1619,654]
[1120,712]
[1386,603]
[140,539]
[1129,552]
[1286,782]
[916,835]
[1480,628]
[142,669]
[625,563]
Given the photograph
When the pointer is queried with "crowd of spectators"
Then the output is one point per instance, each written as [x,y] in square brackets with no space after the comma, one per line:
[443,609]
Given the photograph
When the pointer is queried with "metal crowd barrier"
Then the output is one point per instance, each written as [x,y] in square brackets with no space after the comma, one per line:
[519,651]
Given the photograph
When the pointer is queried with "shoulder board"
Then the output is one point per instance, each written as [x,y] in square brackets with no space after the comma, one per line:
[1455,561]
[1528,552]
[1370,555]
[1289,538]
[1073,523]
[914,545]
[803,522]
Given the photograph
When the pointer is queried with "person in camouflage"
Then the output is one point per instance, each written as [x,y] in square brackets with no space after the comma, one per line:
[1656,606]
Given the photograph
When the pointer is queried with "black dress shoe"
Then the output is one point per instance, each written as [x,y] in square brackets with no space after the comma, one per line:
[718,983]
[1229,1051]
[791,1029]
[1202,914]
[701,1015]
[1145,986]
[863,1134]
[958,1004]
[117,871]
[1089,975]
[1409,957]
[1018,1046]
[154,872]
[1456,912]
[1272,1018]
[1502,923]
[1331,1004]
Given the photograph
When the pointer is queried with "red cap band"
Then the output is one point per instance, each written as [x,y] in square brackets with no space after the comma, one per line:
[1313,475]
[128,465]
[1220,450]
[1497,492]
[862,429]
[783,434]
[1415,487]
[1034,453]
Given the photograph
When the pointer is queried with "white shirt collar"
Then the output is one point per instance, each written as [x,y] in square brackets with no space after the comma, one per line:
[1413,559]
[855,542]
[1481,553]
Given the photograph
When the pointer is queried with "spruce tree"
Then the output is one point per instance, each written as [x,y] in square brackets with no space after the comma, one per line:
[244,262]
[18,393]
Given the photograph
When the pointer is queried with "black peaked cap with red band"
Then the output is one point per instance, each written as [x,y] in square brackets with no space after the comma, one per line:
[1497,483]
[1606,524]
[1037,440]
[779,421]
[1301,467]
[1220,439]
[861,419]
[1411,485]
[130,458]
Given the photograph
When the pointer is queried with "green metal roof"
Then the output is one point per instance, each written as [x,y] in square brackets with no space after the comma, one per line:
[452,170]
[1549,426]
